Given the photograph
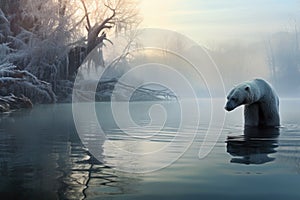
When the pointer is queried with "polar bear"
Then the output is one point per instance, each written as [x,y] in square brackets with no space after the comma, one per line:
[260,100]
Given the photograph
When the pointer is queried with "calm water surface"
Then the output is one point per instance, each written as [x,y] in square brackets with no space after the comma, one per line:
[42,157]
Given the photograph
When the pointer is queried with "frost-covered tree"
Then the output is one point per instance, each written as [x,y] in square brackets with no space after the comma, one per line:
[4,28]
[49,29]
[120,15]
[17,81]
[103,19]
[42,44]
[49,39]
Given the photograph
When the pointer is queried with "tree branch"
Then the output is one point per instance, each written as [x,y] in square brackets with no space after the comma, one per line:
[103,25]
[86,16]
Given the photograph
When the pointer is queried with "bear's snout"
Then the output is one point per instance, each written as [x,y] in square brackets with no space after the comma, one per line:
[228,107]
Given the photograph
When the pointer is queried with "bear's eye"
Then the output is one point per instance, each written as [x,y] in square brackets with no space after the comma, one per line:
[234,99]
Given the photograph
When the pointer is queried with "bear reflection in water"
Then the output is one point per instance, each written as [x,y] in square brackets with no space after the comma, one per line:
[254,146]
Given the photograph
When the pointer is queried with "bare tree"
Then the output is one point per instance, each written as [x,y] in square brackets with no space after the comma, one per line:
[117,16]
[93,37]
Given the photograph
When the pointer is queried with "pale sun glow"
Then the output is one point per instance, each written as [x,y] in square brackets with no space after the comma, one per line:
[216,20]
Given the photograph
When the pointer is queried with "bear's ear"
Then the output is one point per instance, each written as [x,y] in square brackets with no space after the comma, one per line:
[247,88]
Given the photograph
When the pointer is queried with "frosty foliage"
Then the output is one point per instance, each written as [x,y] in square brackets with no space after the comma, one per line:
[4,27]
[57,26]
[43,49]
[12,102]
[21,82]
[4,51]
[37,36]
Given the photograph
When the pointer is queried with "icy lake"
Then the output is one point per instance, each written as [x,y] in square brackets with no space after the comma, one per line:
[42,156]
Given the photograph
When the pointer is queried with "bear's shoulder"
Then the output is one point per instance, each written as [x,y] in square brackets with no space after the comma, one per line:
[260,81]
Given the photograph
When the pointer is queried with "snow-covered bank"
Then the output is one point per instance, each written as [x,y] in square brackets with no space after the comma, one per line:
[12,102]
[21,89]
[21,82]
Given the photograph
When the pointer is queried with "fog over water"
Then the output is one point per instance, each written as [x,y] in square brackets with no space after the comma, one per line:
[246,39]
[275,59]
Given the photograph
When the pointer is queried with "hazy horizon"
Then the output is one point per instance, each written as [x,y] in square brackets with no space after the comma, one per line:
[215,21]
[246,39]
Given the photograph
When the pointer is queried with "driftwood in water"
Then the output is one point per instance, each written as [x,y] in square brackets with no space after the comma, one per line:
[84,92]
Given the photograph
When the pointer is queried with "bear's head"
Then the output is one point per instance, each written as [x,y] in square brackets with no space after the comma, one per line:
[240,95]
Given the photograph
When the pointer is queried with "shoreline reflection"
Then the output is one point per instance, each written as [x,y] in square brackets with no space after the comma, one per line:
[48,161]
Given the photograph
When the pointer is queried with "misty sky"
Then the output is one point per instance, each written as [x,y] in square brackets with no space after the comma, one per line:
[218,20]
